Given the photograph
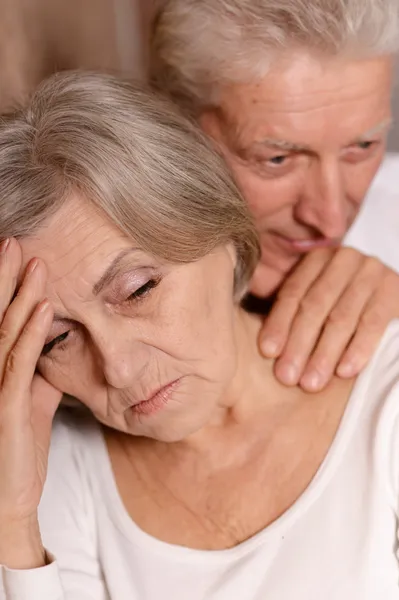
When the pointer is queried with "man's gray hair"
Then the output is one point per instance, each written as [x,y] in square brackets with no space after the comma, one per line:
[198,45]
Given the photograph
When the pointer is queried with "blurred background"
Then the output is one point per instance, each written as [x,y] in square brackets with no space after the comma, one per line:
[38,37]
[394,137]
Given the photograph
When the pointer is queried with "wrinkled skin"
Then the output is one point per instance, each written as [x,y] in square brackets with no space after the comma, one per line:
[304,145]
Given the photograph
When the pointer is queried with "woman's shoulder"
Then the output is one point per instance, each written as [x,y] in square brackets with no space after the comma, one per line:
[378,393]
[381,376]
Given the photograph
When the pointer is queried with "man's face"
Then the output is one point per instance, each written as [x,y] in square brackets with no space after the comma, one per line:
[304,144]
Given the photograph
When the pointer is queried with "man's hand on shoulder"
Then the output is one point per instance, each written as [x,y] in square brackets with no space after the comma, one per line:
[329,317]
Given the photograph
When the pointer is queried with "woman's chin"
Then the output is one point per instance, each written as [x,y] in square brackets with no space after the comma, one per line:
[168,428]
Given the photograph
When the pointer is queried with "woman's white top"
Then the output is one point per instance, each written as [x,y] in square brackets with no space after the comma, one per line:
[338,540]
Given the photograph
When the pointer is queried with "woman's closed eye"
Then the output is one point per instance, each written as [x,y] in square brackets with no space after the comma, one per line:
[58,342]
[143,290]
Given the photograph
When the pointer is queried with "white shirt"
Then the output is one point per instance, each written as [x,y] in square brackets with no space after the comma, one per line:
[376,230]
[338,541]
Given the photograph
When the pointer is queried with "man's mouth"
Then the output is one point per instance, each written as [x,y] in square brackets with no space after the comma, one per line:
[303,246]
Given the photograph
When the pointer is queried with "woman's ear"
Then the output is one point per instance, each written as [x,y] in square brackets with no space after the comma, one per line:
[232,252]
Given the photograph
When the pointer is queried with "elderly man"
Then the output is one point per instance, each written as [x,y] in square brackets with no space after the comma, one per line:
[296,96]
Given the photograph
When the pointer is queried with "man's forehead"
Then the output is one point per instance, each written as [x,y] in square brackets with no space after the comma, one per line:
[308,78]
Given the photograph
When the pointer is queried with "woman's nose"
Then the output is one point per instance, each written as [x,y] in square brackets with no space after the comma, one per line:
[118,370]
[115,358]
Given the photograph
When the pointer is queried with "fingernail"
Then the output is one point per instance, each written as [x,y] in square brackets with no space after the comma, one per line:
[4,245]
[269,348]
[43,306]
[32,266]
[288,374]
[312,381]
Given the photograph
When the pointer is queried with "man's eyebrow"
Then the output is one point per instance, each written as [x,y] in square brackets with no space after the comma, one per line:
[112,270]
[283,145]
[287,146]
[386,124]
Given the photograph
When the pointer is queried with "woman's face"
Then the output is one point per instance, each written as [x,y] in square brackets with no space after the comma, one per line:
[129,328]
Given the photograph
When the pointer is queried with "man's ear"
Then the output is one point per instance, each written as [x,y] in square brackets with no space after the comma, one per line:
[211,123]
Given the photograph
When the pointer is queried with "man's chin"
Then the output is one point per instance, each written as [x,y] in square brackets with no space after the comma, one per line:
[266,280]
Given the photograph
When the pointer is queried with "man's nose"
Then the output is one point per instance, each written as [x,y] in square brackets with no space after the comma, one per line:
[323,204]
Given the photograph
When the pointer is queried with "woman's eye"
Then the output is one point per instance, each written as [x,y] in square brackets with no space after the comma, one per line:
[144,289]
[55,342]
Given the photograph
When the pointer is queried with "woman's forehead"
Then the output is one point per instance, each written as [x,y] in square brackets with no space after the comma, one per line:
[76,239]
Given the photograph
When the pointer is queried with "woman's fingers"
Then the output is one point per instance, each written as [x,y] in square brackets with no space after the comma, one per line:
[22,359]
[20,310]
[10,264]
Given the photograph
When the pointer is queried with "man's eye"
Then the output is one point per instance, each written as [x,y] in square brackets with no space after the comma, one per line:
[55,342]
[277,160]
[144,289]
[365,145]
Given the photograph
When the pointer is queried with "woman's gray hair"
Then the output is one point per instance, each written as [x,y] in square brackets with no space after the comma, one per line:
[132,155]
[199,45]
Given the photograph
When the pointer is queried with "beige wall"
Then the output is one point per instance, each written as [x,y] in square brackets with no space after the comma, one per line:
[38,37]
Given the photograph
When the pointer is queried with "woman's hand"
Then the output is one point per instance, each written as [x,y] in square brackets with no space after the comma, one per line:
[27,407]
[329,317]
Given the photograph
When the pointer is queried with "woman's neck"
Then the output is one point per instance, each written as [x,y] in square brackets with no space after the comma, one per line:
[253,395]
[255,404]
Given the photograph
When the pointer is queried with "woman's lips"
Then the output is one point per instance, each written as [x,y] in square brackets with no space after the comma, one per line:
[157,401]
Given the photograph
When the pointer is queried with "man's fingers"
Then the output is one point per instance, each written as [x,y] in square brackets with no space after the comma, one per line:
[311,316]
[371,328]
[277,326]
[356,357]
[349,314]
[322,364]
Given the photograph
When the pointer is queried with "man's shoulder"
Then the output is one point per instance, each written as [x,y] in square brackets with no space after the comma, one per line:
[376,230]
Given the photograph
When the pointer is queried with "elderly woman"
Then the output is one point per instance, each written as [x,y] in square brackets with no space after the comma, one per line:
[296,95]
[194,474]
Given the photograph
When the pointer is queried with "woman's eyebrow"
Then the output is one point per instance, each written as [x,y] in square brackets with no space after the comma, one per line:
[112,270]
